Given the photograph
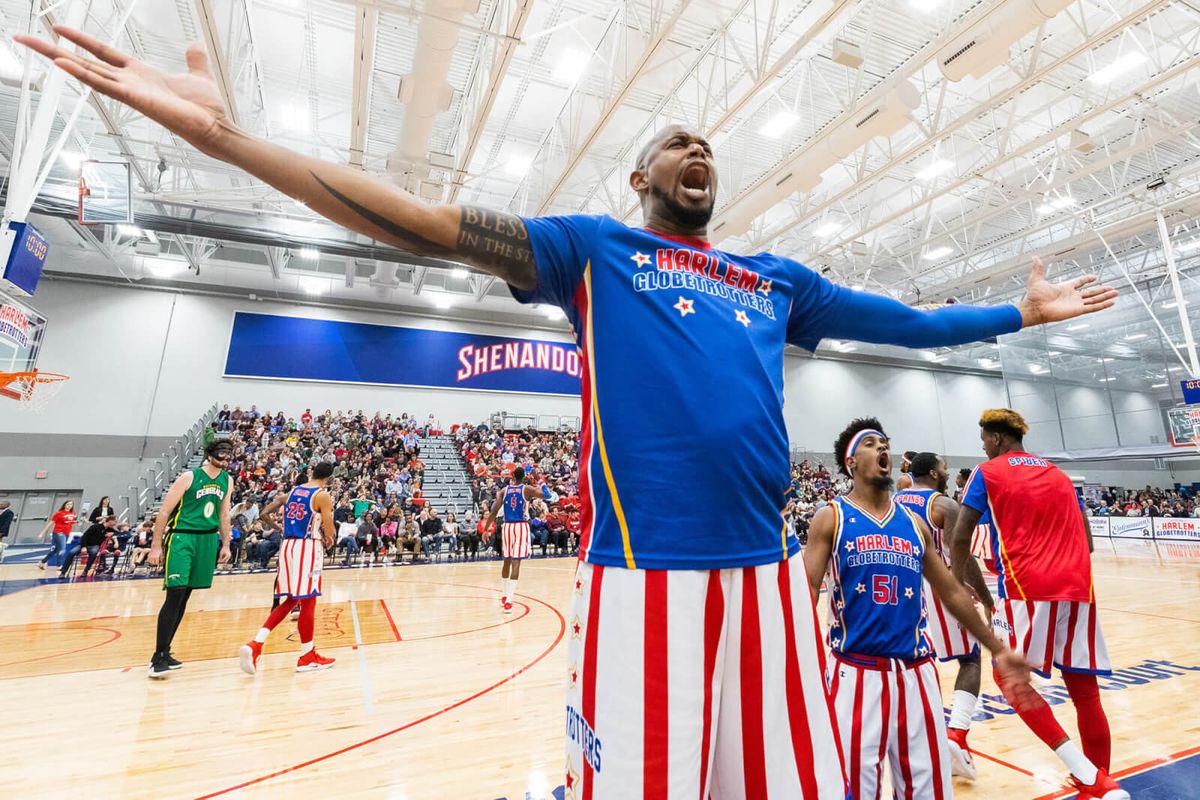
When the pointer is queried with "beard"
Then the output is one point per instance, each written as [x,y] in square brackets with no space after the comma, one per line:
[691,217]
[881,482]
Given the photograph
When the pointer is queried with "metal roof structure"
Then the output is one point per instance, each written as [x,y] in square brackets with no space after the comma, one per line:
[925,149]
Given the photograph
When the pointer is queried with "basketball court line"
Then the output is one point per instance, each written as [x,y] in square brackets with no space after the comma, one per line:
[562,629]
[1147,614]
[367,689]
[1145,766]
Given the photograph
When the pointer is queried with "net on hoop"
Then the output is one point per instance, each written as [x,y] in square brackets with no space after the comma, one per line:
[32,390]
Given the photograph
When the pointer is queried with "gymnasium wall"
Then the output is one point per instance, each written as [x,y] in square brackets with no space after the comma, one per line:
[146,364]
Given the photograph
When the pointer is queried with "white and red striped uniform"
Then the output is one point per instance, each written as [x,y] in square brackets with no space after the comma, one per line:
[299,568]
[698,684]
[950,640]
[889,709]
[1062,633]
[514,540]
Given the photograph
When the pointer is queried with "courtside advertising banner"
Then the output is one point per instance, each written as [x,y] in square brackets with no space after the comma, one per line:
[1099,526]
[1130,527]
[1184,529]
[297,348]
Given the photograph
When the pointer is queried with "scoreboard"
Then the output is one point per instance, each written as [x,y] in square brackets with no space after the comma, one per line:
[26,258]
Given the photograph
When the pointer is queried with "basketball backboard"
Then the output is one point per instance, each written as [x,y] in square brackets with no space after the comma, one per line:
[105,192]
[21,329]
[1185,425]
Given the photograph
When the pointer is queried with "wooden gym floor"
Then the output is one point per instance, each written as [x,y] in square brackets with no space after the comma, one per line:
[438,695]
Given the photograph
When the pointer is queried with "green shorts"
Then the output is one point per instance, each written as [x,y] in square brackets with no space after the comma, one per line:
[191,559]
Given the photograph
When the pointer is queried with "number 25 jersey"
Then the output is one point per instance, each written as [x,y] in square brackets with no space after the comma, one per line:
[875,597]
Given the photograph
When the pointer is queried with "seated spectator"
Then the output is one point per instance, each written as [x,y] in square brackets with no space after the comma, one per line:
[90,542]
[410,537]
[368,537]
[141,544]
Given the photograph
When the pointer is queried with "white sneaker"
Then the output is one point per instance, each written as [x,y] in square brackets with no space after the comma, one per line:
[961,763]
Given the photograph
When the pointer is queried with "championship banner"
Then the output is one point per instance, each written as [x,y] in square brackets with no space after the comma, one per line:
[1099,527]
[1181,528]
[1130,527]
[298,348]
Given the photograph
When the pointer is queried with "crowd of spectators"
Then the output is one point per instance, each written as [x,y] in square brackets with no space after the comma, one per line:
[1149,502]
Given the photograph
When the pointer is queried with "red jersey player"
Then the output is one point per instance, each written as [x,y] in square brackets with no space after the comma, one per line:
[1047,606]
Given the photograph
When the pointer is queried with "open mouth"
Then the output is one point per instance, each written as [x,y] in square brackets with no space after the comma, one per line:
[885,461]
[695,181]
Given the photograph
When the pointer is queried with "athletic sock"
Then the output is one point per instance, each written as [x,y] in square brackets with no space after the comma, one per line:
[512,588]
[1076,761]
[306,623]
[961,709]
[1093,723]
[504,588]
[262,635]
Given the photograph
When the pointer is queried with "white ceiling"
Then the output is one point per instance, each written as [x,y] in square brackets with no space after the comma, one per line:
[549,100]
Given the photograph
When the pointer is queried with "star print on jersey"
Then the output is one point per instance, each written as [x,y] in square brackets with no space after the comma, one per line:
[685,307]
[741,317]
[836,642]
[676,269]
[850,545]
[765,286]
[576,628]
[572,780]
[860,588]
[574,676]
[641,258]
[908,592]
[833,624]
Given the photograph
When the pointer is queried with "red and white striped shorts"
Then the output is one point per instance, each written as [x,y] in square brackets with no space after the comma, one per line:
[299,568]
[698,684]
[891,711]
[947,635]
[1062,633]
[514,540]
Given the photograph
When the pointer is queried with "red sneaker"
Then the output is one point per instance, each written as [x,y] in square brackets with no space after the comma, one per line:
[961,762]
[313,661]
[507,607]
[249,654]
[1103,788]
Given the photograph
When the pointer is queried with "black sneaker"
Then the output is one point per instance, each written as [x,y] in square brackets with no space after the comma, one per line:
[173,662]
[159,667]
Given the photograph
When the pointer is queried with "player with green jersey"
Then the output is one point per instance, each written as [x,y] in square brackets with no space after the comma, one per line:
[196,510]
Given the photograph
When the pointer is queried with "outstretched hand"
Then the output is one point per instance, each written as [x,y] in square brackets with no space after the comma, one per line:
[188,104]
[1054,302]
[1013,672]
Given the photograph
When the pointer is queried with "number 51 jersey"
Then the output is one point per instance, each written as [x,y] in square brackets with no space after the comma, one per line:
[875,597]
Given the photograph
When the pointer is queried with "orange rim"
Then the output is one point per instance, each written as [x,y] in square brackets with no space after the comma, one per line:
[31,377]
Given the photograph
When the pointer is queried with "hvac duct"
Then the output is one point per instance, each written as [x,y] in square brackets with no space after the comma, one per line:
[425,91]
[984,44]
[803,173]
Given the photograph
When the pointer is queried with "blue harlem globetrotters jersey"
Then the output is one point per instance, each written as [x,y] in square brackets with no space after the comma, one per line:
[515,509]
[299,519]
[920,503]
[683,449]
[875,597]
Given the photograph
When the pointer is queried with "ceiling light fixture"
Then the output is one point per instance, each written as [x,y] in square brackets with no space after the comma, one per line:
[1158,386]
[1188,247]
[1133,337]
[441,300]
[939,166]
[518,165]
[1078,326]
[132,231]
[827,229]
[460,273]
[571,65]
[937,252]
[779,124]
[72,159]
[309,253]
[1118,67]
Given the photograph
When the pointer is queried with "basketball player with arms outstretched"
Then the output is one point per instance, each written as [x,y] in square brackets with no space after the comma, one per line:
[196,509]
[1042,548]
[307,533]
[926,499]
[682,346]
[514,536]
[882,680]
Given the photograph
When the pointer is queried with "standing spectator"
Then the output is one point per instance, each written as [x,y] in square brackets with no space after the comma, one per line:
[91,541]
[102,511]
[62,521]
[368,536]
[6,520]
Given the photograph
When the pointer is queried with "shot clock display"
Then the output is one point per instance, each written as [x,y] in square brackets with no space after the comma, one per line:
[26,259]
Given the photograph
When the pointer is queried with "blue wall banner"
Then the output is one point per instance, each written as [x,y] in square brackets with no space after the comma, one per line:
[298,348]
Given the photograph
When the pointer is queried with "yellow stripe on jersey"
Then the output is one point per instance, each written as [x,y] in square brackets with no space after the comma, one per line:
[836,575]
[1009,572]
[783,532]
[595,412]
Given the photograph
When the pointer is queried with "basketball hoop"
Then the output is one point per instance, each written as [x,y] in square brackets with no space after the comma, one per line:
[33,390]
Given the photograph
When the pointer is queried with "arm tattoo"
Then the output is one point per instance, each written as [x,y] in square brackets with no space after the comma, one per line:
[499,243]
[414,242]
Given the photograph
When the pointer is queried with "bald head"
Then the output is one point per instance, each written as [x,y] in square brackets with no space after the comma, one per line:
[676,180]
